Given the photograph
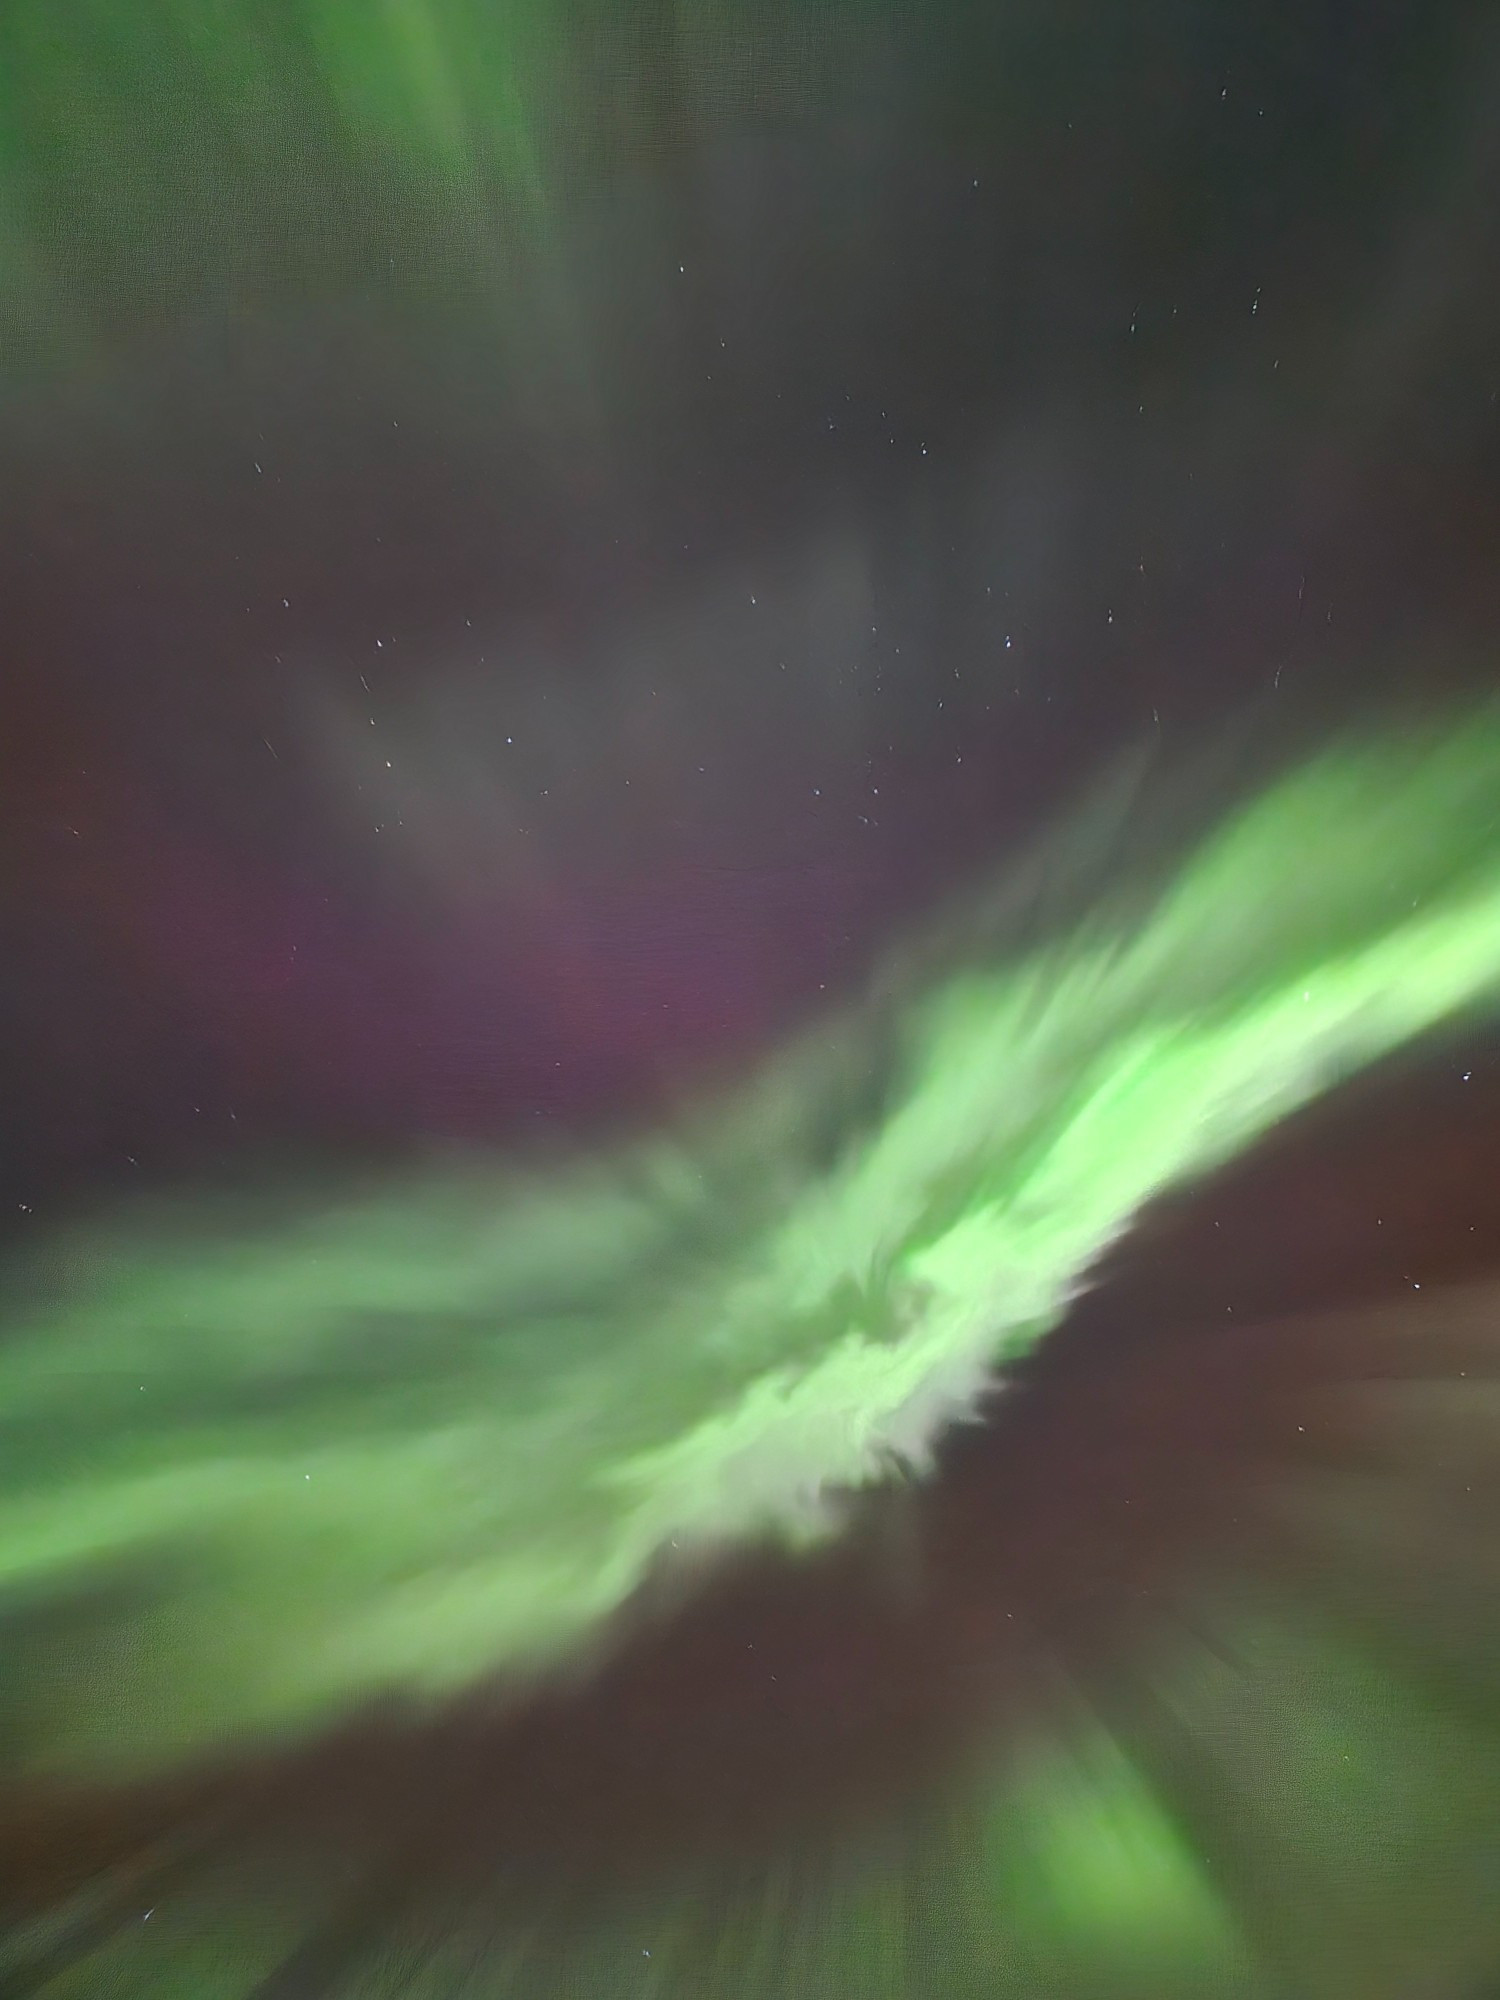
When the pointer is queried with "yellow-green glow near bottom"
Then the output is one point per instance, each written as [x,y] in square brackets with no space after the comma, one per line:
[260,1463]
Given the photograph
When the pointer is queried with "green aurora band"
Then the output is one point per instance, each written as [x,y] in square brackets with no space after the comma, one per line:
[183,156]
[263,1462]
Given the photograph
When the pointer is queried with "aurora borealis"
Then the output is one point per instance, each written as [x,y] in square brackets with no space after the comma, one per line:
[409,1438]
[750,1017]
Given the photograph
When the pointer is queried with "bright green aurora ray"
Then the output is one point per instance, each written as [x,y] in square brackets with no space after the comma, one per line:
[175,155]
[261,1464]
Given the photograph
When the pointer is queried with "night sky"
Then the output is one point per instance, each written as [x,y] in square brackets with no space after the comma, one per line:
[502,625]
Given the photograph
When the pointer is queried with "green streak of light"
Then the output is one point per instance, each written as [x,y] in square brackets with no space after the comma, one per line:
[257,1467]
